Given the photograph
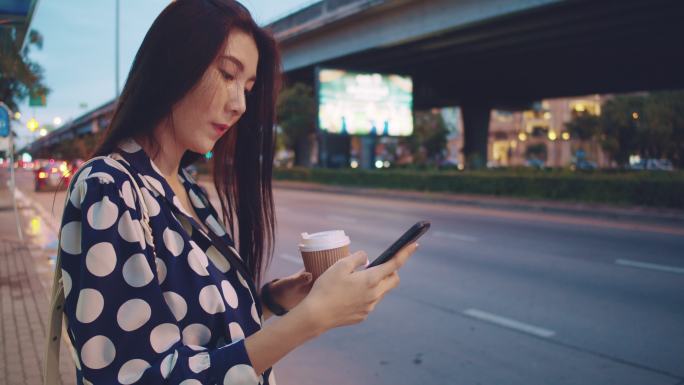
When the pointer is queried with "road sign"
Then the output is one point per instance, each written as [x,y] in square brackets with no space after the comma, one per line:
[37,98]
[4,121]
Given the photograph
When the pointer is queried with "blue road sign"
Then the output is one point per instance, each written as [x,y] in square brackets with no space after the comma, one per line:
[4,121]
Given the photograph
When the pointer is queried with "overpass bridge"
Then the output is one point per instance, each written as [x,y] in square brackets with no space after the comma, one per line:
[492,54]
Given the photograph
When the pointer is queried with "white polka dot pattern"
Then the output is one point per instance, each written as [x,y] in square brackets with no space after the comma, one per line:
[173,241]
[235,331]
[164,336]
[66,283]
[89,305]
[131,371]
[199,362]
[168,363]
[127,194]
[241,374]
[196,334]
[98,352]
[218,259]
[70,240]
[210,300]
[177,304]
[101,259]
[161,270]
[229,294]
[196,201]
[103,214]
[198,260]
[139,314]
[133,314]
[136,271]
[131,230]
[215,226]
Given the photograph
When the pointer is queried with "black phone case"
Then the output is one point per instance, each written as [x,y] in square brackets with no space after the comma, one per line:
[410,236]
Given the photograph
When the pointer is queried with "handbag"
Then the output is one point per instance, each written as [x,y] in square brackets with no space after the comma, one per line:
[54,332]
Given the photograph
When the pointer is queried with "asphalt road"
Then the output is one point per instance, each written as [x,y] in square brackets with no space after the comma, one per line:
[491,297]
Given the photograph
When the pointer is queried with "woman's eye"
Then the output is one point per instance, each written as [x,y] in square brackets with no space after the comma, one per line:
[227,75]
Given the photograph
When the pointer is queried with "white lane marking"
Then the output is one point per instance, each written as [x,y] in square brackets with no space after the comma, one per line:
[341,218]
[456,236]
[509,323]
[651,266]
[292,259]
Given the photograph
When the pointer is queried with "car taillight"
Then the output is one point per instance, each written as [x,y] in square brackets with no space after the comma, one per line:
[42,175]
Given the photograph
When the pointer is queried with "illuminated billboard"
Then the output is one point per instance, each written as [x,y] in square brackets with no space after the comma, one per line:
[364,103]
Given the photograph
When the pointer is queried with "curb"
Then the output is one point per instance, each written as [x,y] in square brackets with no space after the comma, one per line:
[669,217]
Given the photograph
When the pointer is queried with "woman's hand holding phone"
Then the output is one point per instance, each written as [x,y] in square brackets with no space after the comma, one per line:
[344,296]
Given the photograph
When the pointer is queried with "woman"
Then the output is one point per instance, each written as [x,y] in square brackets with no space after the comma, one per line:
[186,310]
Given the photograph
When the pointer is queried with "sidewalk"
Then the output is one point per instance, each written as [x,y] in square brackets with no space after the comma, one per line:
[667,217]
[25,278]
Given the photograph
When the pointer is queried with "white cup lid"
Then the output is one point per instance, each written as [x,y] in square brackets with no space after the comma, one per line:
[323,240]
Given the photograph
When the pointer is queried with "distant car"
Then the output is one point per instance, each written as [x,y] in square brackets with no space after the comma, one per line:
[653,164]
[53,176]
[448,164]
[535,163]
[584,164]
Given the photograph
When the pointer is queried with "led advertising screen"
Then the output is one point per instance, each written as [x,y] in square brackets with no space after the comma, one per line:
[364,103]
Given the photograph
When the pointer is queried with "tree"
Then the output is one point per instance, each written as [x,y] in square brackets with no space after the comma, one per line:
[296,109]
[536,151]
[19,76]
[429,138]
[584,127]
[662,132]
[623,129]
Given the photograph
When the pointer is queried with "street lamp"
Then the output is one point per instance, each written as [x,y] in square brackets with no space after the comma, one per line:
[32,124]
[57,121]
[552,135]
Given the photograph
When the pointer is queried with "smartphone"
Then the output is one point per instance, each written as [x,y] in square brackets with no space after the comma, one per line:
[409,236]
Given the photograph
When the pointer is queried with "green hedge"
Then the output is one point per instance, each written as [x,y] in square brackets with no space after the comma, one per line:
[664,189]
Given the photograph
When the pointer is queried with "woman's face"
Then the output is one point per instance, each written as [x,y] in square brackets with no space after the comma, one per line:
[217,102]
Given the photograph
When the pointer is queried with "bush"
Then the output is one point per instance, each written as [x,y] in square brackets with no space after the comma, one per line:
[623,188]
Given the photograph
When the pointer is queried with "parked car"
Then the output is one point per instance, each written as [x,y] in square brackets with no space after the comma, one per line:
[52,176]
[653,164]
[584,164]
[535,163]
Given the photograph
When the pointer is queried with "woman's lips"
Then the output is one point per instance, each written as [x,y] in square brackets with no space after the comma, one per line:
[220,128]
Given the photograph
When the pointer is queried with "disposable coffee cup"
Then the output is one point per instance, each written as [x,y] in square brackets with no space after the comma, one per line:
[321,250]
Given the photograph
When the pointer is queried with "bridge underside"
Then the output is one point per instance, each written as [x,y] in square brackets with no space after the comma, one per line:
[563,49]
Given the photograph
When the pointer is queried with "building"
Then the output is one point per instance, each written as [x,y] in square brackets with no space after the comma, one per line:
[538,136]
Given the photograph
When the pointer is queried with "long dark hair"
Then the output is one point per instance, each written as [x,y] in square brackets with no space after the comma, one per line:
[179,47]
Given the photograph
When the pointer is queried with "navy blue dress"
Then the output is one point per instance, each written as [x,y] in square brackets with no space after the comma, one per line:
[178,318]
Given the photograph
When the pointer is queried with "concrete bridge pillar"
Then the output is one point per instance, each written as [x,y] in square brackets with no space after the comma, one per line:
[475,132]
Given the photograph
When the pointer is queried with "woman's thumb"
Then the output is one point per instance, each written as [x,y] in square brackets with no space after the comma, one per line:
[305,277]
[360,258]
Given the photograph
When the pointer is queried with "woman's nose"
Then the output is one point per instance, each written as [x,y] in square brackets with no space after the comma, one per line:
[237,103]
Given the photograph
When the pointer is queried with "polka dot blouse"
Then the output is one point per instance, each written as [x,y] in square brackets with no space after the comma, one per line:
[178,318]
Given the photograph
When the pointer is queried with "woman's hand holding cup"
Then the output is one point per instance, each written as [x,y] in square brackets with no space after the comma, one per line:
[344,296]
